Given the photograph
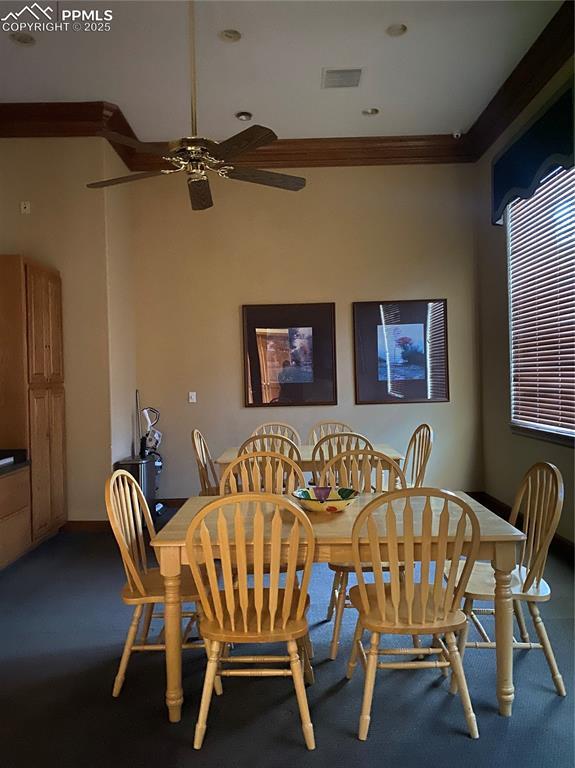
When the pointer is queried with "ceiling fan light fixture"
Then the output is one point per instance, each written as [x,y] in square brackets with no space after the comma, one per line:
[244,116]
[370,111]
[22,38]
[396,30]
[230,35]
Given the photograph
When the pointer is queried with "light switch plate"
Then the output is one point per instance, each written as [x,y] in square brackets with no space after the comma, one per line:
[191,397]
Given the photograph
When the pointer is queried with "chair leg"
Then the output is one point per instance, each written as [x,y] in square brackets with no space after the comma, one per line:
[212,668]
[435,642]
[332,597]
[547,649]
[351,664]
[518,610]
[308,673]
[126,653]
[339,609]
[299,685]
[218,690]
[368,686]
[462,640]
[146,623]
[309,646]
[457,667]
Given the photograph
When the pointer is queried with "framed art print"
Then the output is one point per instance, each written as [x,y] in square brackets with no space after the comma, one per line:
[401,351]
[289,354]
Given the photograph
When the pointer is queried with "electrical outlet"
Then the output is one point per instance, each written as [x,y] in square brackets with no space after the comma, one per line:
[25,207]
[191,397]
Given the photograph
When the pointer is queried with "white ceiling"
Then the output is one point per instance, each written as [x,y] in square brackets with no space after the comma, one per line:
[435,79]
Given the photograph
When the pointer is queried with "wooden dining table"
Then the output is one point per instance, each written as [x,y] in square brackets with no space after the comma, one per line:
[306,464]
[333,543]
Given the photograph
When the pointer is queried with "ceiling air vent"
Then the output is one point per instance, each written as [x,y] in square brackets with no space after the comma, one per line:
[340,78]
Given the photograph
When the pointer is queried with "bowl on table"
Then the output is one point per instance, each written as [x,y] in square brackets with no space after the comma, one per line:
[329,498]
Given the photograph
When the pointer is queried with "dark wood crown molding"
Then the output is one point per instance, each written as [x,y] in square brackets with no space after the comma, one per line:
[547,55]
[552,49]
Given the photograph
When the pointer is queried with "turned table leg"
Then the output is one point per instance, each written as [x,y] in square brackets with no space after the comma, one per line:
[173,625]
[504,633]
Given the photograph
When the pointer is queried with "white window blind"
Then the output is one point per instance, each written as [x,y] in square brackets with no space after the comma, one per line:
[541,243]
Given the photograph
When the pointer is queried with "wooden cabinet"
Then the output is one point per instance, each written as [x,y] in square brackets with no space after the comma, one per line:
[44,304]
[32,388]
[15,521]
[37,307]
[57,458]
[40,461]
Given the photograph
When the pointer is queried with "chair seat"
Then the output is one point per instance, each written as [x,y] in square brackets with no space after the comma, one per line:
[481,584]
[419,625]
[294,628]
[154,586]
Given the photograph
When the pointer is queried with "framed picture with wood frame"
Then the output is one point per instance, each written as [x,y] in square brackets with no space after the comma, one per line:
[289,355]
[401,351]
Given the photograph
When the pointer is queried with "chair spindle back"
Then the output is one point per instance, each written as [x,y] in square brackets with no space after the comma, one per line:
[206,469]
[424,528]
[261,472]
[275,443]
[253,536]
[323,428]
[417,455]
[332,445]
[278,428]
[129,516]
[539,502]
[366,471]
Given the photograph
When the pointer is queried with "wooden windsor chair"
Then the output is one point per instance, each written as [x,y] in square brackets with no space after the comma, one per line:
[278,428]
[366,471]
[536,511]
[209,482]
[267,472]
[417,456]
[423,529]
[130,521]
[254,536]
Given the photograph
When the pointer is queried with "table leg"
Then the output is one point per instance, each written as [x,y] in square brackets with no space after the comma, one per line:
[504,634]
[173,624]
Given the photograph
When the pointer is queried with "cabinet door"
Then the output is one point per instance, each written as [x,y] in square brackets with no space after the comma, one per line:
[40,461]
[37,305]
[57,458]
[54,331]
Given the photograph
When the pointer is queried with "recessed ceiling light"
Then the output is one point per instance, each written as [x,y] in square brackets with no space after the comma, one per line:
[370,112]
[396,30]
[244,116]
[22,38]
[230,35]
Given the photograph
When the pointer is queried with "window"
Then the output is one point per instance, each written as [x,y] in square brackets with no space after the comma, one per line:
[541,245]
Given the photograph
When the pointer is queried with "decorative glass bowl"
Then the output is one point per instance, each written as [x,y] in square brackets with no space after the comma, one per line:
[328,498]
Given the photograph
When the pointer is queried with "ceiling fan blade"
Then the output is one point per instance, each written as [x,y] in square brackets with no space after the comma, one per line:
[200,193]
[124,179]
[149,147]
[251,138]
[267,178]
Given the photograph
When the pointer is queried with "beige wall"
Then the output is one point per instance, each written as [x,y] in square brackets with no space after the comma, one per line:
[353,234]
[506,455]
[121,268]
[66,229]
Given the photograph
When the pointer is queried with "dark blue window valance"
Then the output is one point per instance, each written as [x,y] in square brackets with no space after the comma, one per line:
[545,145]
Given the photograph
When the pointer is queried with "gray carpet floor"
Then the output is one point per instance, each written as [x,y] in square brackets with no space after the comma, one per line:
[62,629]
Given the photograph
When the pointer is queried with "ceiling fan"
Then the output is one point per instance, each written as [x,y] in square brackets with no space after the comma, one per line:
[195,156]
